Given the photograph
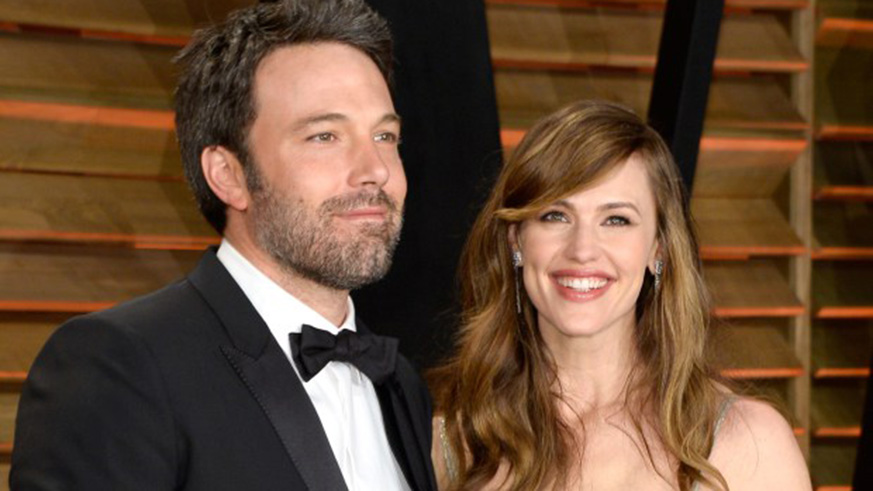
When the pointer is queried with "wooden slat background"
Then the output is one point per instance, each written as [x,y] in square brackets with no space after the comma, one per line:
[93,209]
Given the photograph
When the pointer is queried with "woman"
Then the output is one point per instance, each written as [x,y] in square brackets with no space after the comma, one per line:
[581,358]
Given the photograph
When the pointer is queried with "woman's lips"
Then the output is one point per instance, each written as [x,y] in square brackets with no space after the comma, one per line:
[581,287]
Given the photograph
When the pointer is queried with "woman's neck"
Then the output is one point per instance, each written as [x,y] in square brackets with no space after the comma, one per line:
[594,370]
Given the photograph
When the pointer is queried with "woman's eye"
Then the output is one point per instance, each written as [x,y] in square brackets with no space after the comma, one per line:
[554,216]
[617,220]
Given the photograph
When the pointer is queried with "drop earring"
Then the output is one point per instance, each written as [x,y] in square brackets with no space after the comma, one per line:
[516,266]
[659,270]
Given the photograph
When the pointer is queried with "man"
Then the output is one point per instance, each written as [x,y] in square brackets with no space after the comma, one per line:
[225,380]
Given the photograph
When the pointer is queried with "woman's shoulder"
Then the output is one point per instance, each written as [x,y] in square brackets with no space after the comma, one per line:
[445,461]
[755,447]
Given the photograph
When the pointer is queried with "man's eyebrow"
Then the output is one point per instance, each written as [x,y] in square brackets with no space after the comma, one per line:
[390,118]
[319,118]
[333,117]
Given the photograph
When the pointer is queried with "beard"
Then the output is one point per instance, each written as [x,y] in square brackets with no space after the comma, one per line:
[307,242]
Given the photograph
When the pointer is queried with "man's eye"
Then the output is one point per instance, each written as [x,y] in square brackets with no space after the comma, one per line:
[617,220]
[554,216]
[323,137]
[387,137]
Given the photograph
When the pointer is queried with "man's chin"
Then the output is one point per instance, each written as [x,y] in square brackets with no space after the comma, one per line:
[372,234]
[371,226]
[366,270]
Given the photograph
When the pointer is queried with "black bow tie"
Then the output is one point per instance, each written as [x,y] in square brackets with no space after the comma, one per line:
[312,349]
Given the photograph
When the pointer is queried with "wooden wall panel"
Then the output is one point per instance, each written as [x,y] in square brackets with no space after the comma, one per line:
[82,278]
[81,208]
[175,18]
[60,147]
[81,71]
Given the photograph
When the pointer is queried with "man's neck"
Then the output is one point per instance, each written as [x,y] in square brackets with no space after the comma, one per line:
[330,303]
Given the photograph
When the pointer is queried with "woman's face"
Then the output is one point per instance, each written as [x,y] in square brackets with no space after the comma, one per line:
[585,256]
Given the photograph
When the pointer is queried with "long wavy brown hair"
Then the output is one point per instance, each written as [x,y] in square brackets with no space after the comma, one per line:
[499,392]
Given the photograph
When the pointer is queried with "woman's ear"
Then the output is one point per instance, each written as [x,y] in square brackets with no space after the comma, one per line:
[514,245]
[512,237]
[225,176]
[654,257]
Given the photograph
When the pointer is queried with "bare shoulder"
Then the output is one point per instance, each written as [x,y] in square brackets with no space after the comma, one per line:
[755,448]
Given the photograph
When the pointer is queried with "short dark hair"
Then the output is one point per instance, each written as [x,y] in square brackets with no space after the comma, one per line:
[214,100]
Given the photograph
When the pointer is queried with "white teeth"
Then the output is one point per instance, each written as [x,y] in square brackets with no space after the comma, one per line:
[582,284]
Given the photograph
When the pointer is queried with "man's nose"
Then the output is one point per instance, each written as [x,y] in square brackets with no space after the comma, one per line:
[370,165]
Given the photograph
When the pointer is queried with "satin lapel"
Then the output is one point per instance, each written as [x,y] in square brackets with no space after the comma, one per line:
[405,437]
[281,395]
[269,376]
[401,433]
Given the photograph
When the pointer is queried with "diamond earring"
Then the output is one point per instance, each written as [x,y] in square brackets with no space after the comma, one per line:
[516,265]
[659,270]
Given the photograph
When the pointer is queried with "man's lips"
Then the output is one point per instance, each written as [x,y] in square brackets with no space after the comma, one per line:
[368,213]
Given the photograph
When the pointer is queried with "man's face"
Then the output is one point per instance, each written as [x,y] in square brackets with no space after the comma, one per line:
[328,184]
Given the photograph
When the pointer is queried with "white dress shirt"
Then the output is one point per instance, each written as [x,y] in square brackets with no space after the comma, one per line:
[344,398]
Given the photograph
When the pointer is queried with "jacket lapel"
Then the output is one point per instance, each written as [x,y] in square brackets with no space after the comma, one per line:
[401,434]
[408,441]
[265,370]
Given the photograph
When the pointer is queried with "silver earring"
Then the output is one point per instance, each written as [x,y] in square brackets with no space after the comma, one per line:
[659,270]
[516,265]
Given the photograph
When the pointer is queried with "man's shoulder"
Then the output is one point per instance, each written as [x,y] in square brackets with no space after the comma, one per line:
[155,316]
[173,301]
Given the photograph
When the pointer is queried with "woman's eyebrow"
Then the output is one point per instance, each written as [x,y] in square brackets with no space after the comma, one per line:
[618,204]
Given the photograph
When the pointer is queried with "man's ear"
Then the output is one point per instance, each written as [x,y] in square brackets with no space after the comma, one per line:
[225,176]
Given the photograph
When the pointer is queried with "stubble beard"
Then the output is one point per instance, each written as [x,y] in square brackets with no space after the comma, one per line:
[307,242]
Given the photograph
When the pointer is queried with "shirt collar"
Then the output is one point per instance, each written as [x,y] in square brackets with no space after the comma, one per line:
[282,312]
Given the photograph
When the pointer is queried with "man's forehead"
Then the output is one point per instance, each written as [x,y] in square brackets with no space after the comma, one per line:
[308,74]
[315,59]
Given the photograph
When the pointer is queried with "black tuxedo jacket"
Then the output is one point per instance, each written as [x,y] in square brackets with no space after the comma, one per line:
[186,389]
